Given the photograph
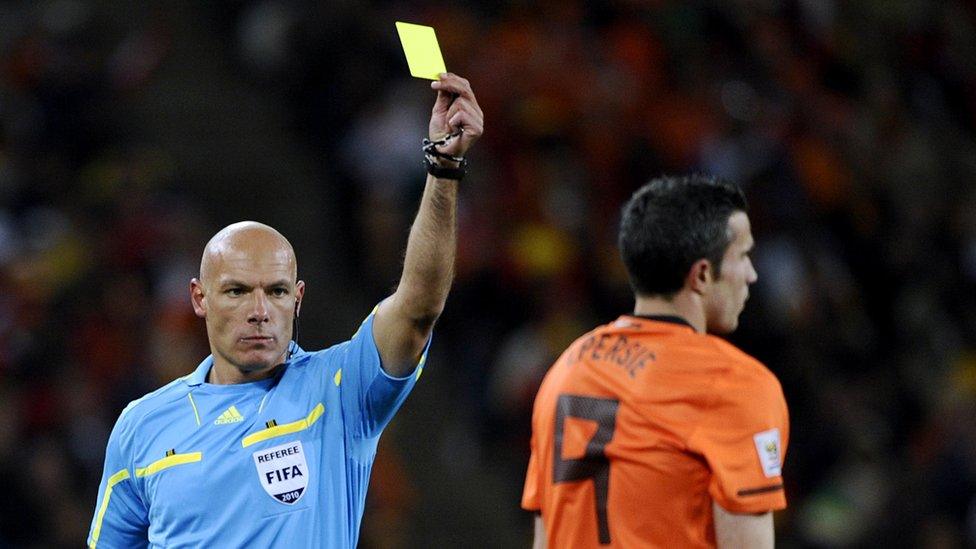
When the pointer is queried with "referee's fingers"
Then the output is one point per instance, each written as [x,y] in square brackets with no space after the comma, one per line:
[472,124]
[443,102]
[453,83]
[462,104]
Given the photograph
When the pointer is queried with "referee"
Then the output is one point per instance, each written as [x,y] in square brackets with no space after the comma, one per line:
[265,444]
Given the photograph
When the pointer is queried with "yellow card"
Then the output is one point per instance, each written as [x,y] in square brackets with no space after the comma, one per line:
[423,53]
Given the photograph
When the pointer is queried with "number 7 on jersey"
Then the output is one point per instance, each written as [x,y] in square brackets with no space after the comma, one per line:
[594,463]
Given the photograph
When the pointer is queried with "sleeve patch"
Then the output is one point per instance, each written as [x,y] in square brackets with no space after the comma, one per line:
[768,447]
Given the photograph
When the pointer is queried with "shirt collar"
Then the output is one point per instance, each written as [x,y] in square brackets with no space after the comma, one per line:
[199,376]
[673,319]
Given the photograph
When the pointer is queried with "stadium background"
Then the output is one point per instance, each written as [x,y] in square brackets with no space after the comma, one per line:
[130,132]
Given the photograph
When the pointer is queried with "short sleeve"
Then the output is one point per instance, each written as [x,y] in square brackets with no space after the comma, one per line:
[121,518]
[530,493]
[743,438]
[370,396]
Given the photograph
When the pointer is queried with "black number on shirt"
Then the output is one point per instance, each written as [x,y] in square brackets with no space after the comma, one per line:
[594,463]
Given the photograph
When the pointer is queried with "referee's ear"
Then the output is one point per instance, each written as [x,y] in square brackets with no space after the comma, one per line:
[299,294]
[197,299]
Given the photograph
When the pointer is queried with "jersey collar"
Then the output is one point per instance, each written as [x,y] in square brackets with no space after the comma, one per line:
[199,376]
[673,319]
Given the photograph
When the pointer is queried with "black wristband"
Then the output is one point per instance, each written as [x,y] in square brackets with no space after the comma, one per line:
[441,172]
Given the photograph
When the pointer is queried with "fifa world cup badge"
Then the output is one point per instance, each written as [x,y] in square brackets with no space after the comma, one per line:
[283,471]
[767,445]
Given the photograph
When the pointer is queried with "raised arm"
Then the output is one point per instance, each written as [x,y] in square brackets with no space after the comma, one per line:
[404,320]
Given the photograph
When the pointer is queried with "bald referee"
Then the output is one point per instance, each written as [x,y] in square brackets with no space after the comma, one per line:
[265,444]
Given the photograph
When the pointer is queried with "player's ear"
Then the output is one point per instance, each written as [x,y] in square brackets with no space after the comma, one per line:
[299,294]
[197,298]
[700,276]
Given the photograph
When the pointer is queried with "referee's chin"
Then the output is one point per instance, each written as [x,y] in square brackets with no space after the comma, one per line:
[257,364]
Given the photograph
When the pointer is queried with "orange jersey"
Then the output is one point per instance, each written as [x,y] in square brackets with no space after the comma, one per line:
[640,425]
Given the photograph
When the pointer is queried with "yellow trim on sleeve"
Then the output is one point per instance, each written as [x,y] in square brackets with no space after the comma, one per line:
[112,481]
[286,428]
[167,462]
[337,378]
[194,404]
[420,365]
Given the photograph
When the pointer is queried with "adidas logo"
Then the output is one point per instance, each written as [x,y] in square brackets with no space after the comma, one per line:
[230,415]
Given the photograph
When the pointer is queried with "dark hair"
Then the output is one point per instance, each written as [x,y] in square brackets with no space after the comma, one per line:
[670,223]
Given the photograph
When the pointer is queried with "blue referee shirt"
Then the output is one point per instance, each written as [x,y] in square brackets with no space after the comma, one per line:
[281,462]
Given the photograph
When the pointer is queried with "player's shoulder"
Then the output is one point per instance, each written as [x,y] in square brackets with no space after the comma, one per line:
[585,338]
[744,378]
[308,370]
[743,362]
[581,349]
[623,326]
[304,362]
[564,360]
[573,352]
[151,402]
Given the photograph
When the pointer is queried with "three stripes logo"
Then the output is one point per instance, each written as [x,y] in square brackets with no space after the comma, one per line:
[230,415]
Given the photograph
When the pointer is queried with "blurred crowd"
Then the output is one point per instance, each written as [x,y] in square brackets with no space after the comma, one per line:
[851,125]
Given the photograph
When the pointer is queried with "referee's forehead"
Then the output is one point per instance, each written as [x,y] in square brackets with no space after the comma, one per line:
[245,247]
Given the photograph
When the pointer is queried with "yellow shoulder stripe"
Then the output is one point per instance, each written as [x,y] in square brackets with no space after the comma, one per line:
[112,481]
[286,428]
[167,462]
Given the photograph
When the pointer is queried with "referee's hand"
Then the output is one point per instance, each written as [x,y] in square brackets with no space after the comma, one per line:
[455,109]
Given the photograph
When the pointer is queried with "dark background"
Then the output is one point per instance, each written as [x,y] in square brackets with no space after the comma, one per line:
[131,132]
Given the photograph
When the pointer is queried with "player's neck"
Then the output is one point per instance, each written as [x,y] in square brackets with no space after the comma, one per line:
[682,304]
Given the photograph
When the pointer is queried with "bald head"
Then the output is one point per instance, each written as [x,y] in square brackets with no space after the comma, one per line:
[247,242]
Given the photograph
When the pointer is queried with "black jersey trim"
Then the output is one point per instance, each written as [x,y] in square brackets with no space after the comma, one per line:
[673,319]
[756,491]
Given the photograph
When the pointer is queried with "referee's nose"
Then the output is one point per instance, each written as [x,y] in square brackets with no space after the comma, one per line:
[259,313]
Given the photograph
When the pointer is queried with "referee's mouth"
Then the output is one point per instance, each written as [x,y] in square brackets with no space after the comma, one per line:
[261,340]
